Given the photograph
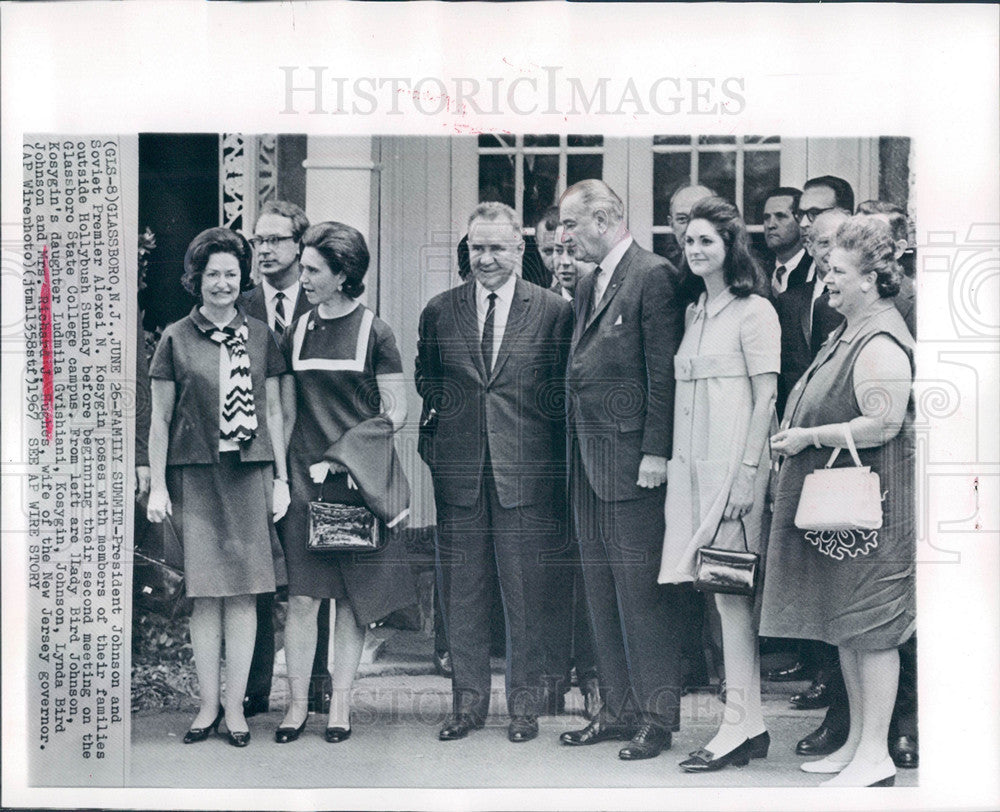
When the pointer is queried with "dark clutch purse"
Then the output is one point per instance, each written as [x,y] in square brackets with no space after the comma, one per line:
[731,572]
[339,527]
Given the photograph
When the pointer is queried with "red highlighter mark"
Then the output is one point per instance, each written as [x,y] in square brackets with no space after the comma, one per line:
[48,373]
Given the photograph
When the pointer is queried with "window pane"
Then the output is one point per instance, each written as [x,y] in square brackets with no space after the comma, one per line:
[541,141]
[585,140]
[496,178]
[666,246]
[581,167]
[496,140]
[717,171]
[541,174]
[673,140]
[716,139]
[761,139]
[671,170]
[761,173]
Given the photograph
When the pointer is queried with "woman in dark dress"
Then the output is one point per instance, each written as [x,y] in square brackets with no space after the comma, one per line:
[346,371]
[217,466]
[854,588]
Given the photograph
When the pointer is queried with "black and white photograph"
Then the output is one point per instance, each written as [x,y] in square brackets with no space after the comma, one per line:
[501,431]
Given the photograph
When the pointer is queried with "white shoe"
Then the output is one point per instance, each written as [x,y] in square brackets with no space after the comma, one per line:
[882,774]
[824,765]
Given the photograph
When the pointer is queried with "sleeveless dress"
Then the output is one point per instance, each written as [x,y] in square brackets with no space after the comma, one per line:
[726,341]
[852,588]
[334,362]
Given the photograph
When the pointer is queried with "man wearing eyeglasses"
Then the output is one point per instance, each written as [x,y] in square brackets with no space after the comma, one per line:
[823,194]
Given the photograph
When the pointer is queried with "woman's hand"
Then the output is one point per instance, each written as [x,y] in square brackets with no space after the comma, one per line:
[319,470]
[281,499]
[159,506]
[740,493]
[789,442]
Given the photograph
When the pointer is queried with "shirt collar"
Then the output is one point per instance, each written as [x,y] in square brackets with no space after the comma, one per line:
[851,331]
[614,256]
[716,305]
[505,293]
[207,326]
[793,262]
[291,292]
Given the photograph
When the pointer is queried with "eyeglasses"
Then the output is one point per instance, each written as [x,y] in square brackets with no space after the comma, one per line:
[812,214]
[270,242]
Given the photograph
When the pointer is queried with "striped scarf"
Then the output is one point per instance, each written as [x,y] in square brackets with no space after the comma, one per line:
[239,417]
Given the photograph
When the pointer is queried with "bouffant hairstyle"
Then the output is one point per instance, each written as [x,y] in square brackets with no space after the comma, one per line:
[215,241]
[344,250]
[740,270]
[870,240]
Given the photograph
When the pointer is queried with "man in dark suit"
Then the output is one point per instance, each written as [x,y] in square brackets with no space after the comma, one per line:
[620,386]
[491,356]
[276,301]
[792,263]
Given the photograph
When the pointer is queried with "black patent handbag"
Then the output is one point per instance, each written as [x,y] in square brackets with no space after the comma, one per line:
[731,572]
[338,527]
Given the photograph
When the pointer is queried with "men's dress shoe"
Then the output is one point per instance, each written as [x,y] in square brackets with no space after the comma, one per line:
[705,761]
[458,727]
[286,734]
[522,729]
[815,696]
[591,690]
[238,738]
[648,742]
[824,765]
[442,664]
[796,671]
[759,745]
[882,774]
[904,752]
[821,742]
[199,734]
[599,730]
[252,705]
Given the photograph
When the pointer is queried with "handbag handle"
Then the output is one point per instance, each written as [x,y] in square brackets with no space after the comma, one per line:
[743,530]
[846,428]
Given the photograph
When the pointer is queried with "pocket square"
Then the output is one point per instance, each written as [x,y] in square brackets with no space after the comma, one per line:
[618,321]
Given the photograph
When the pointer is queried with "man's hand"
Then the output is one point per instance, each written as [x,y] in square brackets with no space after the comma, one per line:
[652,471]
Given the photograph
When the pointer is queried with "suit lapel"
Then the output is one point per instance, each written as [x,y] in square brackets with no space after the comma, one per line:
[797,276]
[584,289]
[516,323]
[468,325]
[613,286]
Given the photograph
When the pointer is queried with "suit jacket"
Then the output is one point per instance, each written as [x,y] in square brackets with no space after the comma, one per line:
[620,377]
[516,412]
[253,304]
[793,315]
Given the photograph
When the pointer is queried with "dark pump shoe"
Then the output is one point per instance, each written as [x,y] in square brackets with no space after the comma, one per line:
[599,730]
[199,734]
[335,735]
[705,761]
[648,742]
[252,705]
[796,671]
[815,696]
[904,752]
[522,729]
[458,727]
[821,742]
[240,738]
[284,735]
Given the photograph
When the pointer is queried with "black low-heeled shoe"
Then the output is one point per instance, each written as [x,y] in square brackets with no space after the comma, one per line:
[338,734]
[199,734]
[759,745]
[240,738]
[286,734]
[705,761]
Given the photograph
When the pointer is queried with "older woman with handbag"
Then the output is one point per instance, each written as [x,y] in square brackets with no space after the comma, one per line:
[726,370]
[347,401]
[217,466]
[852,587]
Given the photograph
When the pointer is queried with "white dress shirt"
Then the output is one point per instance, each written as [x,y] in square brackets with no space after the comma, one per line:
[505,295]
[291,298]
[793,262]
[608,265]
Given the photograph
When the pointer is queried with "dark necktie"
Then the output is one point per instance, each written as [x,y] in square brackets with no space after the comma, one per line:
[779,274]
[592,305]
[279,313]
[487,341]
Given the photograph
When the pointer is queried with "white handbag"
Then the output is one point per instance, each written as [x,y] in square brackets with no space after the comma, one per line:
[841,498]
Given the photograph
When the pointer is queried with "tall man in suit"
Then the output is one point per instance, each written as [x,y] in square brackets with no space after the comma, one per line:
[491,355]
[620,392]
[792,263]
[277,302]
